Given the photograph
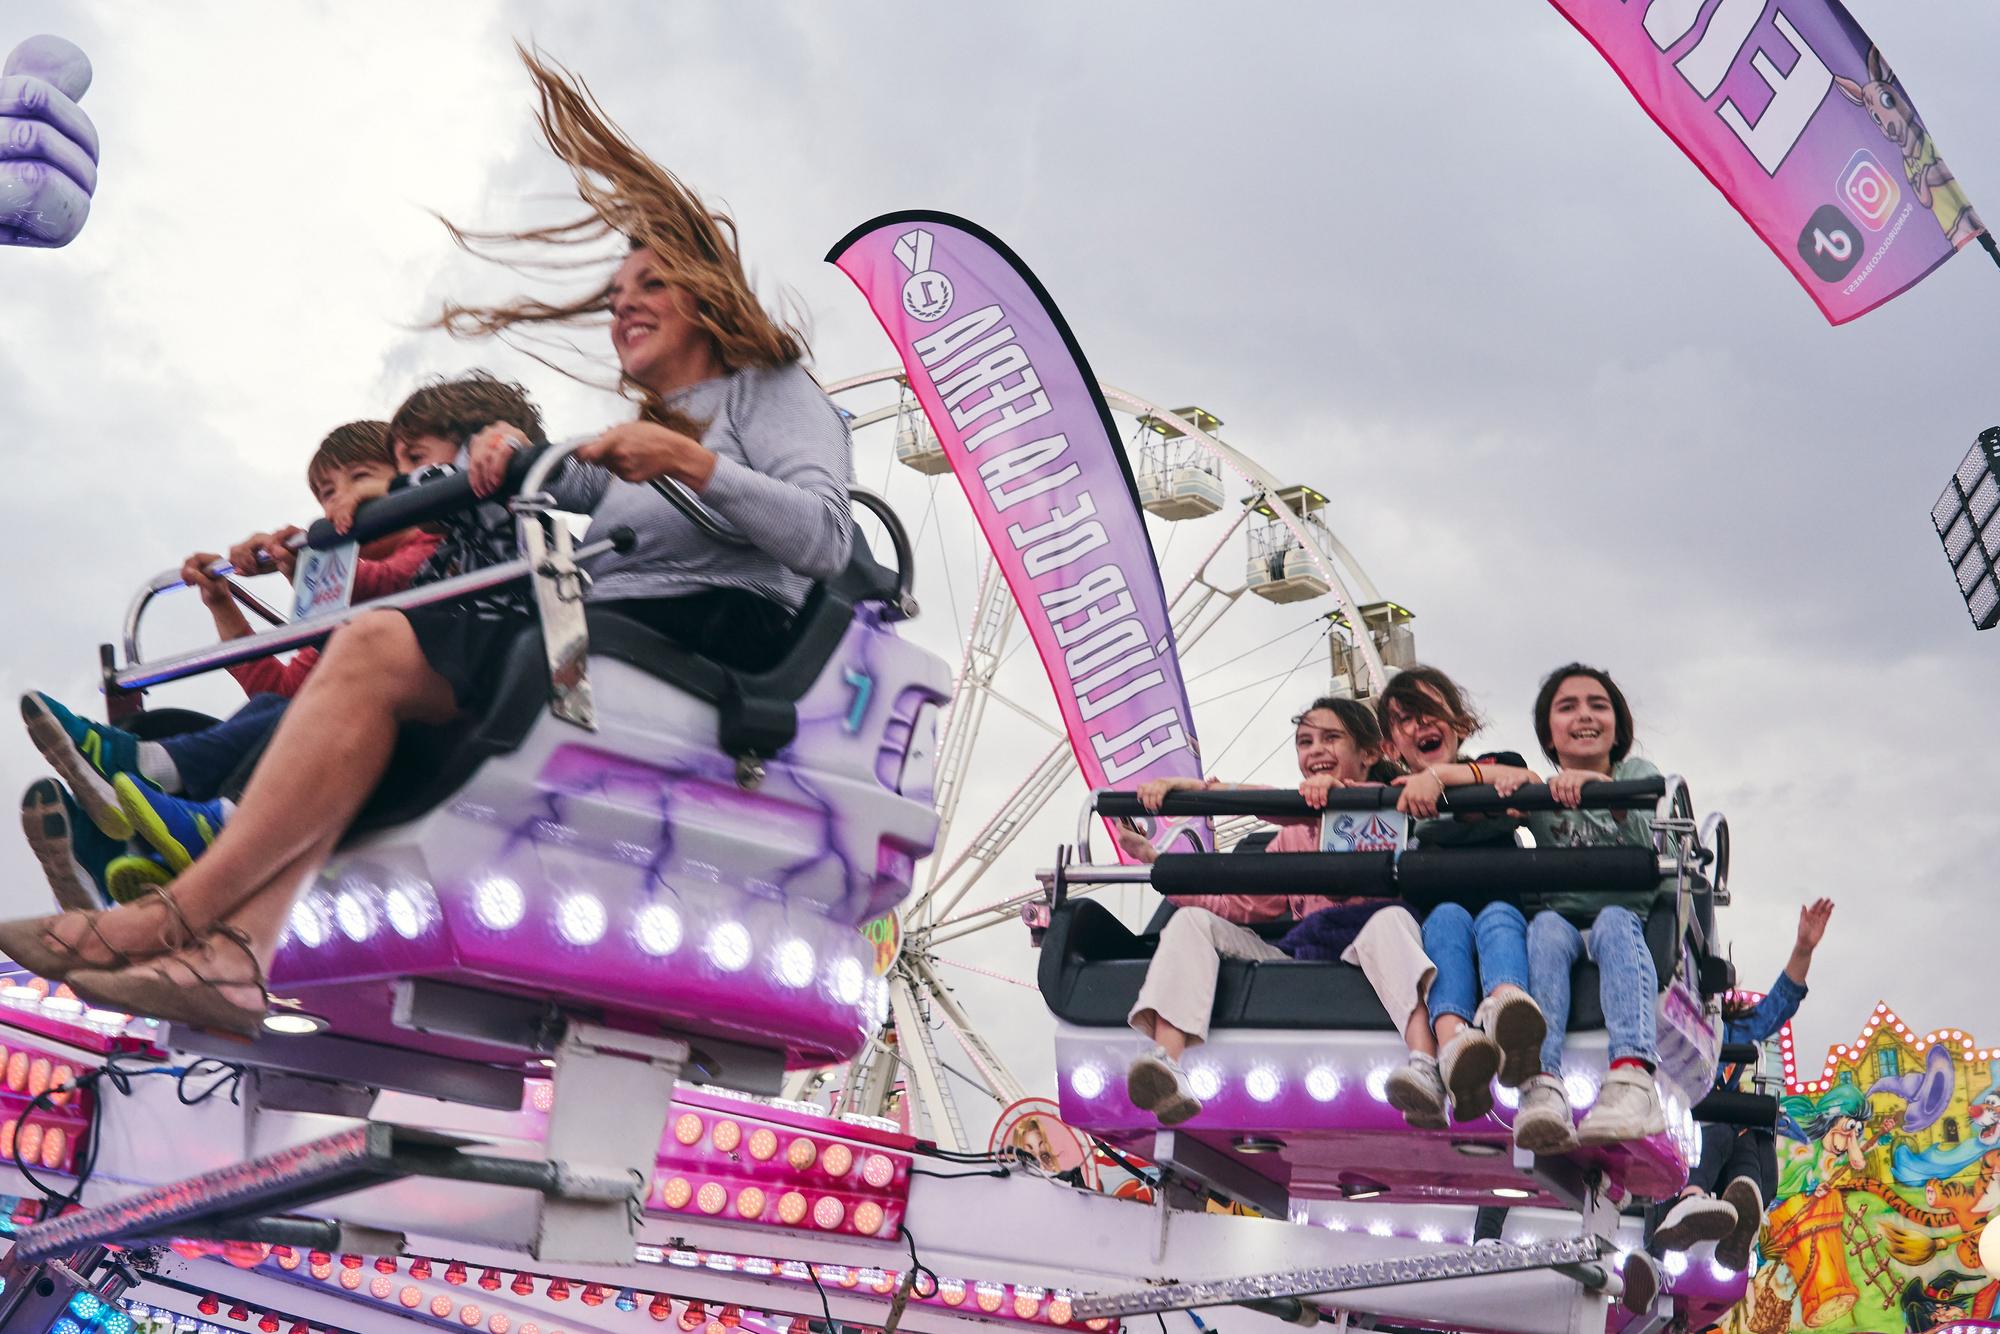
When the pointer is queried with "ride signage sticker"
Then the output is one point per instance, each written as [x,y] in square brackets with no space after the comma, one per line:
[1363,831]
[324,581]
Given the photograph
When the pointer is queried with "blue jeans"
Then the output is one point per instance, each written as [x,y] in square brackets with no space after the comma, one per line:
[1474,955]
[1626,981]
[206,758]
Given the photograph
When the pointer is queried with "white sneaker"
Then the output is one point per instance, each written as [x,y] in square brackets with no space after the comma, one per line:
[1542,1123]
[1733,1251]
[1628,1108]
[1697,1218]
[1517,1025]
[1467,1065]
[1156,1083]
[1416,1089]
[1642,1282]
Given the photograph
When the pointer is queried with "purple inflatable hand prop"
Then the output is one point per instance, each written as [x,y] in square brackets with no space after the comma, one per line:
[48,147]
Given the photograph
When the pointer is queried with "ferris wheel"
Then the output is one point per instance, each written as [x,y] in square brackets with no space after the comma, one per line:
[1268,605]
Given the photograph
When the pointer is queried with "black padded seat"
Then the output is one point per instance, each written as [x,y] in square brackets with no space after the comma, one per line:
[1092,968]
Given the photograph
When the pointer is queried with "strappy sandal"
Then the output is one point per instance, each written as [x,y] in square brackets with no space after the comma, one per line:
[33,942]
[202,1003]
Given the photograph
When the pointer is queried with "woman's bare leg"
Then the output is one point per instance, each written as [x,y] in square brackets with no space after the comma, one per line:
[327,755]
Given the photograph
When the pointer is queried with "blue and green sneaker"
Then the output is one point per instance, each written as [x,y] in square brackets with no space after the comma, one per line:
[74,855]
[85,755]
[132,876]
[178,829]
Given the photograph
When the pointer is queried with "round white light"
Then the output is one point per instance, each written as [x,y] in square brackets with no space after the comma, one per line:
[355,915]
[847,981]
[657,928]
[1513,1193]
[1677,1263]
[1723,1273]
[878,1001]
[1378,1083]
[795,963]
[405,909]
[1380,1228]
[1432,1236]
[1262,1083]
[729,946]
[1086,1081]
[1580,1088]
[294,1024]
[1323,1083]
[1506,1097]
[1206,1081]
[580,918]
[499,904]
[309,923]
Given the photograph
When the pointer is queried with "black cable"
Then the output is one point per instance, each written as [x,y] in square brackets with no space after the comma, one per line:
[113,1072]
[812,1272]
[1163,1322]
[958,1176]
[918,1270]
[226,1072]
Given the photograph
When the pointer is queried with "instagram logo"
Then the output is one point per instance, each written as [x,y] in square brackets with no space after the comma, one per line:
[1869,190]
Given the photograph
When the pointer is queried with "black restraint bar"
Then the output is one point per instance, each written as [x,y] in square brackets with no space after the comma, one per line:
[426,502]
[1731,1107]
[1280,803]
[1470,876]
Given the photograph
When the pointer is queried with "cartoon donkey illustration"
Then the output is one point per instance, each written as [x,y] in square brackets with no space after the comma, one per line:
[1930,180]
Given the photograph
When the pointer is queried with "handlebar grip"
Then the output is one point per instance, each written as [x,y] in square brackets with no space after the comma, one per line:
[423,502]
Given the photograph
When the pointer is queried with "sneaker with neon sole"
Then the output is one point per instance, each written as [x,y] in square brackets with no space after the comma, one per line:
[130,877]
[73,852]
[178,829]
[86,756]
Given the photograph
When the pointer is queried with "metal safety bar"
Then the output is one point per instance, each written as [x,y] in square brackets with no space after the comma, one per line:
[166,581]
[296,634]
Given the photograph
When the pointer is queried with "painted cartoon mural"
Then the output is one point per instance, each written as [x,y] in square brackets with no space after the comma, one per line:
[1889,1165]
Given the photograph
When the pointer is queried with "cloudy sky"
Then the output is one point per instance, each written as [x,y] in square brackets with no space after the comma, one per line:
[1431,259]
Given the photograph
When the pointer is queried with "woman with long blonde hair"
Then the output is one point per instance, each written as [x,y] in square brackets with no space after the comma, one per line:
[725,409]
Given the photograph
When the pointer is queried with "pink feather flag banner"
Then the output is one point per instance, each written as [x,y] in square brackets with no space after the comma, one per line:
[1791,112]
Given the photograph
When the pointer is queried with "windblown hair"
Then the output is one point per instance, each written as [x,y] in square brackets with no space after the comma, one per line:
[630,196]
[1426,692]
[1356,717]
[458,409]
[349,444]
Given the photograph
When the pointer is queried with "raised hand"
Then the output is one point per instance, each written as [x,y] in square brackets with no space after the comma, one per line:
[1812,923]
[48,147]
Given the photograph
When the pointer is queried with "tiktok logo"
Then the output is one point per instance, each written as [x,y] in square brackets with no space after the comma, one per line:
[1830,244]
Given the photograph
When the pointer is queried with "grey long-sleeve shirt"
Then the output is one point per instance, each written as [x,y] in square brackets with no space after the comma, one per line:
[784,460]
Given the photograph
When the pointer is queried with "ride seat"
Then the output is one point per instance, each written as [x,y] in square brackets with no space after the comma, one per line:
[1092,967]
[757,709]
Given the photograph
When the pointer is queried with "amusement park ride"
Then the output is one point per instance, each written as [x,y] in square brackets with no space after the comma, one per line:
[559,1015]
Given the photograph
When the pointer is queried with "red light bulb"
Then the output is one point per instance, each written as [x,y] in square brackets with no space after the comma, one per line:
[593,1294]
[384,1265]
[420,1268]
[731,1316]
[454,1273]
[350,1262]
[558,1290]
[208,1305]
[490,1280]
[661,1308]
[692,1317]
[299,1328]
[800,1325]
[319,1258]
[523,1285]
[239,1313]
[269,1324]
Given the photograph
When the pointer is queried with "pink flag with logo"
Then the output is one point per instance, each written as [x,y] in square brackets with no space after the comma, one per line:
[1018,413]
[1798,119]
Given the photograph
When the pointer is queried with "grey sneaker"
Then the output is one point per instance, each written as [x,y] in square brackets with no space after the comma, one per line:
[1733,1251]
[1642,1282]
[1416,1089]
[1542,1123]
[1628,1108]
[1517,1025]
[1156,1083]
[1697,1218]
[1467,1064]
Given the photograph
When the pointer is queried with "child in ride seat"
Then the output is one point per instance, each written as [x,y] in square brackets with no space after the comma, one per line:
[1336,742]
[173,793]
[1585,726]
[1741,1163]
[1486,1022]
